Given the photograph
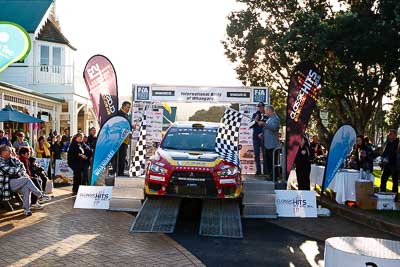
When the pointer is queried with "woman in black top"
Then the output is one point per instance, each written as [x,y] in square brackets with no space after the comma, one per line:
[303,164]
[86,163]
[76,157]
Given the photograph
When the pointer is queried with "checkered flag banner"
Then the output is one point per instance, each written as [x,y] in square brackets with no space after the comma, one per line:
[139,159]
[227,141]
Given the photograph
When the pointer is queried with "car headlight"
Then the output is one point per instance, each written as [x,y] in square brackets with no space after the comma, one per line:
[157,169]
[229,170]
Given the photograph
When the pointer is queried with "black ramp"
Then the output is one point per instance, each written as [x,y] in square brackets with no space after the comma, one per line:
[221,218]
[157,215]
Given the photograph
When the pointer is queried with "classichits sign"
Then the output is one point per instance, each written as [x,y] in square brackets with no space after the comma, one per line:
[304,88]
[296,203]
[93,197]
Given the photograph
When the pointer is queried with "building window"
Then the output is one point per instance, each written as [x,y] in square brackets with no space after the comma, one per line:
[56,60]
[44,58]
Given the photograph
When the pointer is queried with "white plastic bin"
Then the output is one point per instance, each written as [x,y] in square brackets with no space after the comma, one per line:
[385,201]
[361,251]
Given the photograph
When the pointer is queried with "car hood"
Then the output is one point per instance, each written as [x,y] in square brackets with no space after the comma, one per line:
[190,158]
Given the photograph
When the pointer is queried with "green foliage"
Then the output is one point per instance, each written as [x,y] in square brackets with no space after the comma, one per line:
[357,46]
[213,114]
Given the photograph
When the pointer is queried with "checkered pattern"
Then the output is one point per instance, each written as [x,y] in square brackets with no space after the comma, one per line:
[227,141]
[139,159]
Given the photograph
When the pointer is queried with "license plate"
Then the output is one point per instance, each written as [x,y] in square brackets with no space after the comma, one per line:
[191,179]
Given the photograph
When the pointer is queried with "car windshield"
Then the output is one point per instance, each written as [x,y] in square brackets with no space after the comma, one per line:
[195,139]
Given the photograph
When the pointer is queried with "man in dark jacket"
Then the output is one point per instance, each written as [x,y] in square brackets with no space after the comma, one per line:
[92,138]
[258,139]
[389,157]
[120,158]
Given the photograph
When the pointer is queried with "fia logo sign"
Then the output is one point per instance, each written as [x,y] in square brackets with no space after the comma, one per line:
[259,95]
[142,92]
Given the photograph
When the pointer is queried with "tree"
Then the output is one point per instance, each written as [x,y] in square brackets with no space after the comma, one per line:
[213,114]
[356,44]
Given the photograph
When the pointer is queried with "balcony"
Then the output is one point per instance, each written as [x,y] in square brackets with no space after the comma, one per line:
[51,75]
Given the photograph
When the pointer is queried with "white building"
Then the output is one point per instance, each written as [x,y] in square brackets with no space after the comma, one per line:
[49,68]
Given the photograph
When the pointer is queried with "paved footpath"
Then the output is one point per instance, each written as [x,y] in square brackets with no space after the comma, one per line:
[62,236]
[59,235]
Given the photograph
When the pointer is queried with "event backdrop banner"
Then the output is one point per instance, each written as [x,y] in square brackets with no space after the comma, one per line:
[93,197]
[304,88]
[246,153]
[101,82]
[296,203]
[112,134]
[341,146]
[15,44]
[178,93]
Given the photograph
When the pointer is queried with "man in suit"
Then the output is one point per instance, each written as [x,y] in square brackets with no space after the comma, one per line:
[271,137]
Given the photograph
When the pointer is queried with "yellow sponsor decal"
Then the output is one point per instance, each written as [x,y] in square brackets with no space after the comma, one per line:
[193,163]
[186,163]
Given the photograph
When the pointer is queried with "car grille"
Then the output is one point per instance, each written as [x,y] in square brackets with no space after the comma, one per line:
[192,184]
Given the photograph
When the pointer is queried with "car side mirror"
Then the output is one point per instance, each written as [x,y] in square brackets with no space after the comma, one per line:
[156,144]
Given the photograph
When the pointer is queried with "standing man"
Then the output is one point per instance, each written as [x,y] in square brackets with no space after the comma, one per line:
[258,142]
[271,137]
[389,158]
[92,139]
[120,158]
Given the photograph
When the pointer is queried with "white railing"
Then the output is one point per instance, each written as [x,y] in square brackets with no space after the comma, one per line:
[52,74]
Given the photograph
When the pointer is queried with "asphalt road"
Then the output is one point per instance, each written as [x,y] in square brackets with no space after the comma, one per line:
[264,244]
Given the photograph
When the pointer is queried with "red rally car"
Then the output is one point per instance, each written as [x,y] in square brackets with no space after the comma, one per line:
[186,165]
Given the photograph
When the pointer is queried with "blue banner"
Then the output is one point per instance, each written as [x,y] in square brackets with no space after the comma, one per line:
[15,44]
[111,135]
[341,146]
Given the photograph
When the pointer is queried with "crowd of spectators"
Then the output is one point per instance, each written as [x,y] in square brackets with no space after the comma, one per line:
[20,173]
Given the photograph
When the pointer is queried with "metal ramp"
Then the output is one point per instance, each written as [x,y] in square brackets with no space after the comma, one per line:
[127,194]
[259,200]
[157,215]
[221,218]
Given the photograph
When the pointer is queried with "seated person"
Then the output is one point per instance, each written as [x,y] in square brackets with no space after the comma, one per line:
[37,171]
[353,164]
[13,177]
[23,156]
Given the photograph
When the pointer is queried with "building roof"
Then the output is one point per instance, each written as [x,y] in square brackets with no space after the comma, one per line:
[51,33]
[29,91]
[27,13]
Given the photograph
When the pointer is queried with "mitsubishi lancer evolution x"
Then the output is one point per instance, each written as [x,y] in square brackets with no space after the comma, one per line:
[187,165]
